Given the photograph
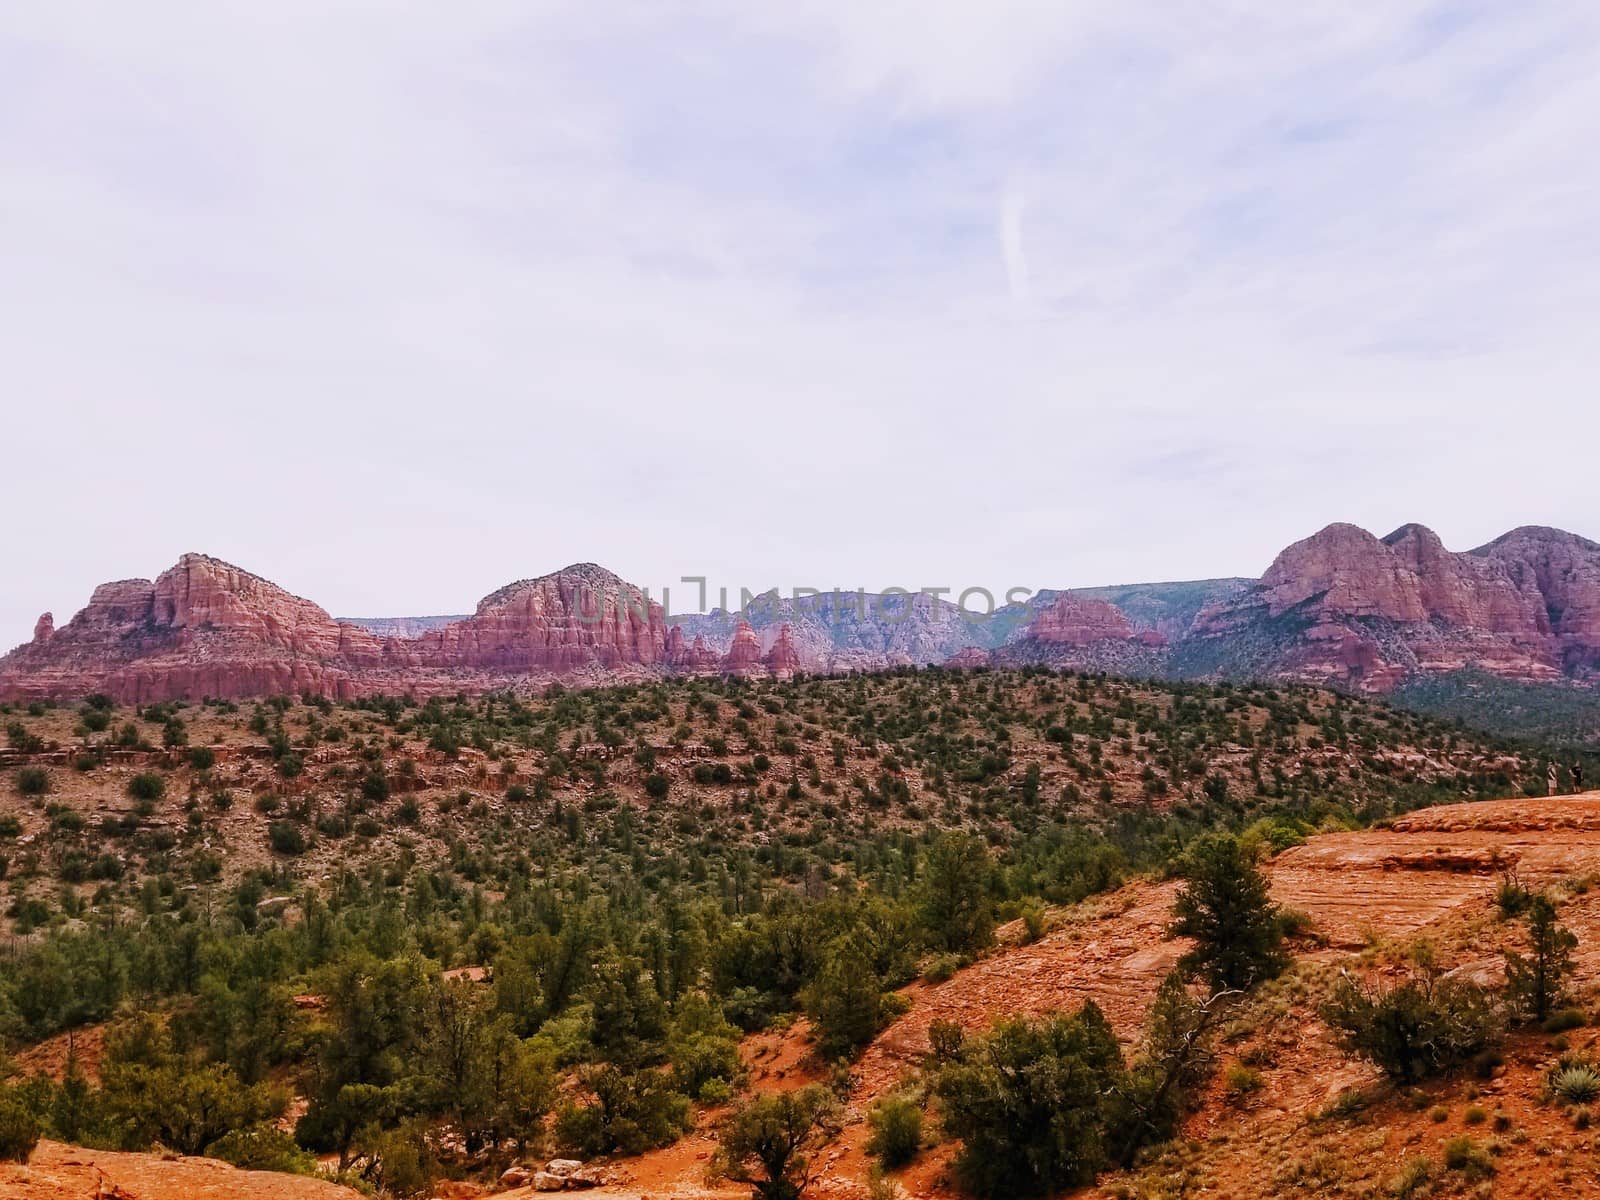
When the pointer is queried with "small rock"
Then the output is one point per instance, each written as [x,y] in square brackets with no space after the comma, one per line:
[544,1181]
[563,1167]
[515,1176]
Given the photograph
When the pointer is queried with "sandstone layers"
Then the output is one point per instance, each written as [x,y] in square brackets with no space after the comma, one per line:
[1342,607]
[1368,613]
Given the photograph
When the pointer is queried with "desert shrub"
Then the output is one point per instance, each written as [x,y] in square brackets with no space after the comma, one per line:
[770,1142]
[657,785]
[1226,908]
[1241,1081]
[286,838]
[19,1128]
[896,1130]
[185,1109]
[1413,1029]
[1173,1061]
[941,967]
[1564,1019]
[1576,1083]
[33,781]
[202,758]
[1511,897]
[1466,1156]
[1030,1102]
[147,785]
[703,1048]
[1035,923]
[953,898]
[263,1147]
[628,1113]
[402,1161]
[1413,1179]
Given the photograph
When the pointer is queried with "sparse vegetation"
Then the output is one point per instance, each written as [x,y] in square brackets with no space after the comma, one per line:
[635,876]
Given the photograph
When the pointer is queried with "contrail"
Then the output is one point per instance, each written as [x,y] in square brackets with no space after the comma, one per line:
[1012,205]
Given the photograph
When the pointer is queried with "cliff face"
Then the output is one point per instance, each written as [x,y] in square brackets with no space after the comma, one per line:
[1341,607]
[580,617]
[1347,608]
[207,628]
[202,628]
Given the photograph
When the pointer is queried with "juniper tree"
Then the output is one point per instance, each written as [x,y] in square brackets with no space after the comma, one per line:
[1535,982]
[1227,909]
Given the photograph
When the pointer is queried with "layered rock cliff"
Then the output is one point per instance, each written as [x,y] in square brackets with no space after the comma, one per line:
[1347,608]
[1341,607]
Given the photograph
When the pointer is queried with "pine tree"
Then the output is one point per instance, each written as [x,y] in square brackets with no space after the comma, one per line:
[1535,982]
[1227,910]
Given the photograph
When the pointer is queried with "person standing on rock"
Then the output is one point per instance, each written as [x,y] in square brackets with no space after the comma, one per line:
[1550,776]
[1577,779]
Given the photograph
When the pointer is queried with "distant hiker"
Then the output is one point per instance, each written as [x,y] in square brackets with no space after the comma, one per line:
[1551,777]
[1577,778]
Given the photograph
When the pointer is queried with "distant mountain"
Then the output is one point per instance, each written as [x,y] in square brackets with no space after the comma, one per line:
[1346,608]
[400,627]
[1341,608]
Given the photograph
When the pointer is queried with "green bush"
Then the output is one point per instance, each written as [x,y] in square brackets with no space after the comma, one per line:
[147,786]
[769,1142]
[896,1130]
[1413,1179]
[1413,1029]
[628,1114]
[1564,1019]
[1466,1156]
[202,758]
[19,1129]
[1241,1081]
[33,781]
[1535,982]
[263,1147]
[845,1000]
[1030,1102]
[286,838]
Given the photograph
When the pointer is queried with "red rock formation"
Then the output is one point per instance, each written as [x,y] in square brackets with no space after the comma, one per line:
[744,653]
[969,659]
[1076,621]
[783,660]
[207,628]
[580,617]
[695,658]
[1368,612]
[203,628]
[1341,607]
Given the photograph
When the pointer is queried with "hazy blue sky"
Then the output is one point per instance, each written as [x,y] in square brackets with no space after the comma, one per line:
[393,303]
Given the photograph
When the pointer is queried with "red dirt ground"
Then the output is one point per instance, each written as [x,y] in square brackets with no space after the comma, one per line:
[58,1172]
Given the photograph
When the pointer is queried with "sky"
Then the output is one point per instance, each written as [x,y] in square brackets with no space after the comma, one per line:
[393,303]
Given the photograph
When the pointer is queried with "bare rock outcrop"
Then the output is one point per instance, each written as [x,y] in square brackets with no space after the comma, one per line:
[783,660]
[744,654]
[1348,608]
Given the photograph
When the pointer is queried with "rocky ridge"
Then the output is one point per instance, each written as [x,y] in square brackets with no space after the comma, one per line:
[1341,607]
